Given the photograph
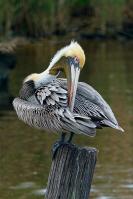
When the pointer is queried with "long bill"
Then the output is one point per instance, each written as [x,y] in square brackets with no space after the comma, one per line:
[73,73]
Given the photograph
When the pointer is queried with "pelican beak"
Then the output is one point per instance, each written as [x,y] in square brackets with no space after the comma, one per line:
[73,72]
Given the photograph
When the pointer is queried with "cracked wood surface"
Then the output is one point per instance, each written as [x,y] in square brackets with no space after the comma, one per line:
[71,173]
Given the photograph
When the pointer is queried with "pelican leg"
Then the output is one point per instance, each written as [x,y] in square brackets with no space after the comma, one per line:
[58,144]
[70,138]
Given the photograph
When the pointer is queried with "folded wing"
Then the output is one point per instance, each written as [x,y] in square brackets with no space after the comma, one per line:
[47,109]
[90,103]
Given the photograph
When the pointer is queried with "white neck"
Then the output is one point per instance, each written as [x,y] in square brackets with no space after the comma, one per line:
[44,78]
[63,52]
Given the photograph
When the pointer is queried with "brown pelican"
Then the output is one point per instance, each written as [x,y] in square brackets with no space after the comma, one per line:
[63,105]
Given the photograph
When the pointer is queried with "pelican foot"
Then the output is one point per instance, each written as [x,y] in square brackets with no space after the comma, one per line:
[60,143]
[55,148]
[70,138]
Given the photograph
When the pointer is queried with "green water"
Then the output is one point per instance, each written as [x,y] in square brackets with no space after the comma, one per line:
[25,153]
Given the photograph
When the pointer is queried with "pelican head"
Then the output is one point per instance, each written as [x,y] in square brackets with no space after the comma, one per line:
[70,60]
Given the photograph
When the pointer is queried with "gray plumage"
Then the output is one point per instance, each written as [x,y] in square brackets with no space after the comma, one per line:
[46,108]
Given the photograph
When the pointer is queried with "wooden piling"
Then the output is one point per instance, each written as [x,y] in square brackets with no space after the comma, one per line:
[71,173]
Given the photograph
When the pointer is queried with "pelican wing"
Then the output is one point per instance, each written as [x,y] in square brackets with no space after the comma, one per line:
[90,103]
[52,94]
[54,97]
[47,109]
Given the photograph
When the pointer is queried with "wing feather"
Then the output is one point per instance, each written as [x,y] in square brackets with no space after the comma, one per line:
[90,103]
[48,109]
[52,119]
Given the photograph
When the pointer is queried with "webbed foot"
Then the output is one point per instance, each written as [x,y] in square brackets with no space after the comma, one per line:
[55,148]
[57,145]
[60,143]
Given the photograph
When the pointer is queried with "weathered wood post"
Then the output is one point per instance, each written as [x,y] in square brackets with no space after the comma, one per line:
[71,173]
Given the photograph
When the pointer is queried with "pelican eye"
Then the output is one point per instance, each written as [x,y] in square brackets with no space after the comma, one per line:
[76,60]
[73,61]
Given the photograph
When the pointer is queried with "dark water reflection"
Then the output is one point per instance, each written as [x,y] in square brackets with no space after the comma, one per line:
[25,152]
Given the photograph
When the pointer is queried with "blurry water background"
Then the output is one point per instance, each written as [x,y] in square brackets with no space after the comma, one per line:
[25,153]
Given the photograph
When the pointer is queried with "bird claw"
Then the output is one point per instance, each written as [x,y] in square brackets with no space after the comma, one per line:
[55,148]
[60,143]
